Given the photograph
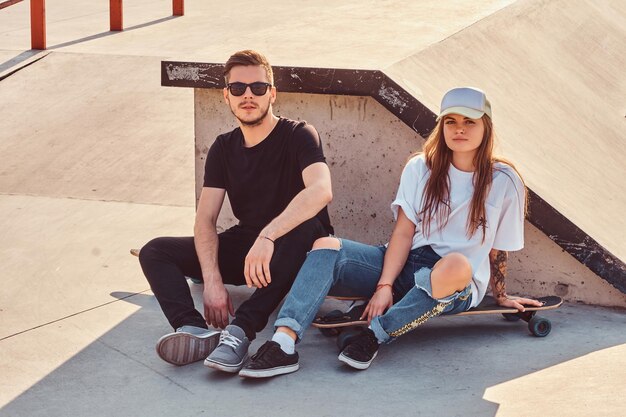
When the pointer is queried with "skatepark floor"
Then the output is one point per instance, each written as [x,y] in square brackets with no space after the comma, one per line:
[102,362]
[97,158]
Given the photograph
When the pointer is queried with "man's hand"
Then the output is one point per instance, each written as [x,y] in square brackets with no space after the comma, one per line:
[257,266]
[517,302]
[380,301]
[217,304]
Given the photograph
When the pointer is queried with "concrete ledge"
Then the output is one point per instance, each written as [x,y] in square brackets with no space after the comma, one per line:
[337,81]
[414,114]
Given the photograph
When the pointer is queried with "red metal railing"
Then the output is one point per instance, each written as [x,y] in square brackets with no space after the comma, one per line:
[38,24]
[117,15]
[178,7]
[38,17]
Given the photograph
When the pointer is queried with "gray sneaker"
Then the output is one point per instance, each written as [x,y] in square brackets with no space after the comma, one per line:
[232,351]
[187,344]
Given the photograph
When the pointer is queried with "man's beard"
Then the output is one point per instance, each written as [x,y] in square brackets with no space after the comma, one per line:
[254,122]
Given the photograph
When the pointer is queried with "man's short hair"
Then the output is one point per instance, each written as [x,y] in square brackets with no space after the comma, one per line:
[245,58]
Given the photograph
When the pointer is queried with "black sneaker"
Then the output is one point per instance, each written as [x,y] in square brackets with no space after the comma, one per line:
[270,360]
[361,351]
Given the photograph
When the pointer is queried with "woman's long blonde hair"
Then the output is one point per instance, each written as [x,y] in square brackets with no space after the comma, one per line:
[436,198]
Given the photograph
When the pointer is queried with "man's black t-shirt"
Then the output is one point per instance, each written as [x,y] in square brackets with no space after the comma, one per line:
[262,180]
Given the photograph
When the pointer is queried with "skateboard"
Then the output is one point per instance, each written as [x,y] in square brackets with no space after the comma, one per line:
[333,323]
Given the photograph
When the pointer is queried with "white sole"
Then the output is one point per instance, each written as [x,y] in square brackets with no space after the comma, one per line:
[266,373]
[356,364]
[224,367]
[184,348]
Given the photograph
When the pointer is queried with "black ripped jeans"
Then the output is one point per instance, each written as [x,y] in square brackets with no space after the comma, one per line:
[166,261]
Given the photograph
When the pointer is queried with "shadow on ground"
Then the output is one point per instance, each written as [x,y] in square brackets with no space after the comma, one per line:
[443,368]
[111,32]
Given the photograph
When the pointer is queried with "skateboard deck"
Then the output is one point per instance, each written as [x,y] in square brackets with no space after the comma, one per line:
[332,323]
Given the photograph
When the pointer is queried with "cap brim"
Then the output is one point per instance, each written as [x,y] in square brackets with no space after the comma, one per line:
[463,111]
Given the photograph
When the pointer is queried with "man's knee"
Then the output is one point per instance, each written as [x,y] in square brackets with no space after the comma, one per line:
[327,243]
[151,250]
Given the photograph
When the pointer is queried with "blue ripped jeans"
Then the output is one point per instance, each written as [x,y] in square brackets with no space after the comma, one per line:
[354,270]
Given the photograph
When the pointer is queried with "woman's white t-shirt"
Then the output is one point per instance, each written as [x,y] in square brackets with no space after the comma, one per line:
[504,212]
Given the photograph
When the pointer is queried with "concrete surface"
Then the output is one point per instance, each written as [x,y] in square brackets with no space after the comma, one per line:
[102,363]
[96,127]
[69,254]
[77,321]
[326,33]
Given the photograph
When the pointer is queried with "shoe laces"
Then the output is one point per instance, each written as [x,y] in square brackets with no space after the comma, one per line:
[229,340]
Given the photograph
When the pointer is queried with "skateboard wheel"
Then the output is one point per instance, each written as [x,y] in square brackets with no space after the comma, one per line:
[539,326]
[330,332]
[346,337]
[511,316]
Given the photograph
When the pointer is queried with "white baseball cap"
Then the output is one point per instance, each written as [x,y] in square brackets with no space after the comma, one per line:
[466,101]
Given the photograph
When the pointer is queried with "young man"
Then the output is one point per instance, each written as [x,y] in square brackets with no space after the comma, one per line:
[278,184]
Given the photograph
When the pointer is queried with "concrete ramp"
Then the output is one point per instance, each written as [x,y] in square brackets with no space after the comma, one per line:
[97,127]
[554,71]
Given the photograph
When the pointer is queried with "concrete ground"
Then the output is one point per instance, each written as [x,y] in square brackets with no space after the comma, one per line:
[96,158]
[101,362]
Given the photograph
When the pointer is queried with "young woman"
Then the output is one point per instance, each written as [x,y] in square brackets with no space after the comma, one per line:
[458,211]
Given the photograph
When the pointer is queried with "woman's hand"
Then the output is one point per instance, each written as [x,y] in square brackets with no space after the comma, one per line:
[380,301]
[517,302]
[395,258]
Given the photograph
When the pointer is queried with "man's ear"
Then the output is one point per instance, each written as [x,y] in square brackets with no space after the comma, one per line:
[225,92]
[272,95]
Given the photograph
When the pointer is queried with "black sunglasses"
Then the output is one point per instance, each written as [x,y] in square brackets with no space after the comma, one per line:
[258,88]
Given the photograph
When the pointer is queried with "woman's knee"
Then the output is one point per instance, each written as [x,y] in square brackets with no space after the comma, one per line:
[454,264]
[453,272]
[327,243]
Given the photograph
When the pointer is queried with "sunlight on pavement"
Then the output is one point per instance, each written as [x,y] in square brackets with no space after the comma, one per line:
[552,391]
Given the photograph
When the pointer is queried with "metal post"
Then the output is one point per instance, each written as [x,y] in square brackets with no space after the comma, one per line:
[178,7]
[116,16]
[38,24]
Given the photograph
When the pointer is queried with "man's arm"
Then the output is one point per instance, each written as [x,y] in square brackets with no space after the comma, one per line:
[498,261]
[217,302]
[316,195]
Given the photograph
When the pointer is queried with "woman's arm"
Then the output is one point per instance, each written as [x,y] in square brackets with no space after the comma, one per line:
[498,261]
[395,258]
